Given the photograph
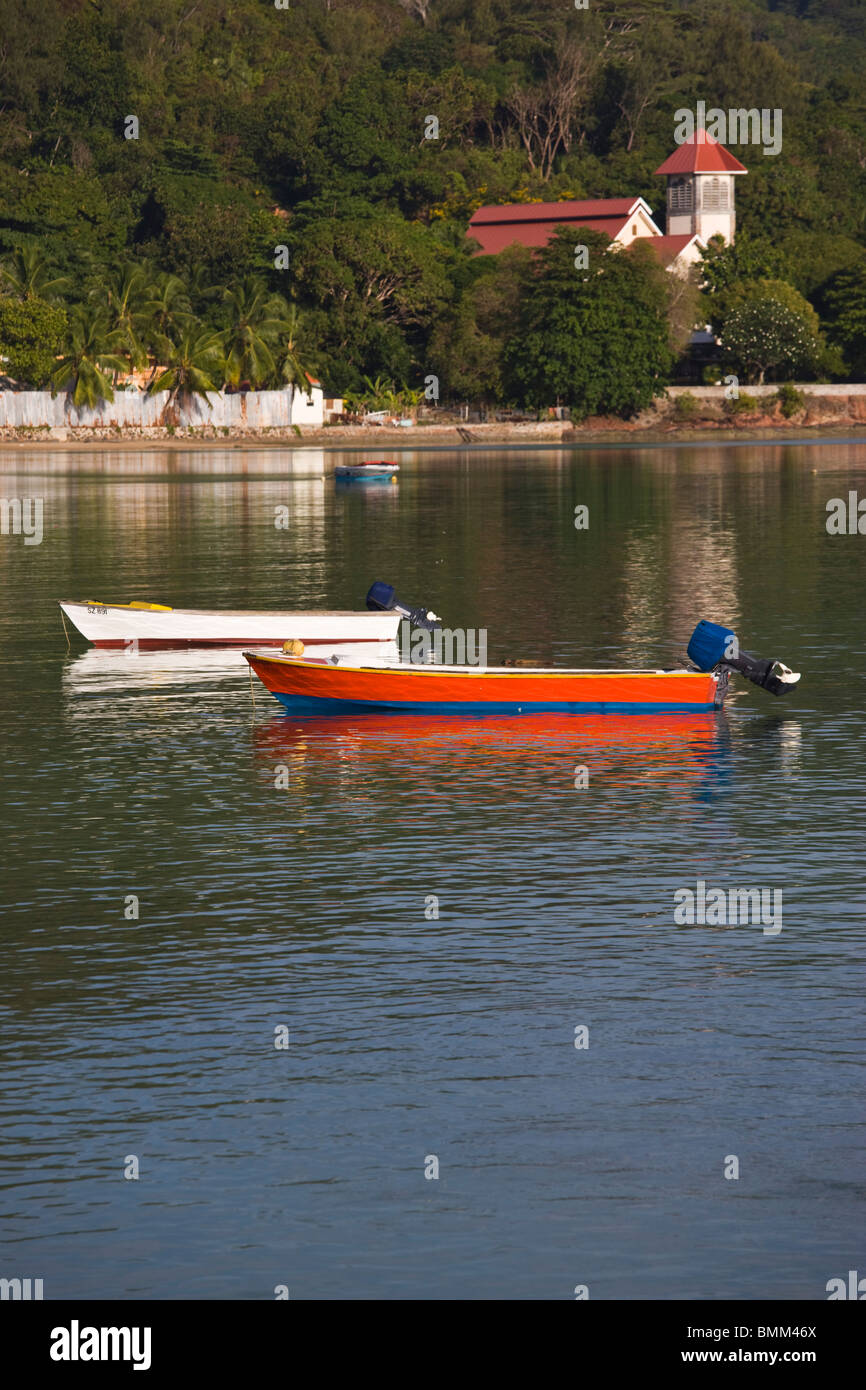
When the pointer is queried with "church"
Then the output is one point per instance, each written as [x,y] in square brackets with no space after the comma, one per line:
[700,204]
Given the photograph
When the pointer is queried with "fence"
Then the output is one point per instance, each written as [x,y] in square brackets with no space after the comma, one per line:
[253,410]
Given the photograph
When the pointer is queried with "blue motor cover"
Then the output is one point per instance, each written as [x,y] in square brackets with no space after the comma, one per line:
[711,644]
[381,595]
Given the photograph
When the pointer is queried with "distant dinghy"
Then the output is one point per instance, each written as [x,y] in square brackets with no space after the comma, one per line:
[381,472]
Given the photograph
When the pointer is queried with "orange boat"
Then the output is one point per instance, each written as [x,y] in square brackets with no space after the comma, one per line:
[307,686]
[315,687]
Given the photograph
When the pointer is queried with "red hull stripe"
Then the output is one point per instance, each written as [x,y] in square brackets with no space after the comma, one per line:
[152,644]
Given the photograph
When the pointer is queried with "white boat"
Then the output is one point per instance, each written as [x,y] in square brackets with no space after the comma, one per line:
[150,626]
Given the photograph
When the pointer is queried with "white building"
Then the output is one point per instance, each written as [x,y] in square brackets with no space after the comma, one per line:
[309,409]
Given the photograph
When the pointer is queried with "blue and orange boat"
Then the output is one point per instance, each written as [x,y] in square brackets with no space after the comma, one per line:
[307,686]
[380,471]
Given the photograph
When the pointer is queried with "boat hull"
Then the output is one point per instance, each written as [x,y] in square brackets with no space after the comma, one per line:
[316,688]
[118,625]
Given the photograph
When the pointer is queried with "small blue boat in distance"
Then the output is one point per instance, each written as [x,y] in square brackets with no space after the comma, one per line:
[379,472]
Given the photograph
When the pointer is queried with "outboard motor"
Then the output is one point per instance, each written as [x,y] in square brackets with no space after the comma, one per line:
[382,595]
[714,646]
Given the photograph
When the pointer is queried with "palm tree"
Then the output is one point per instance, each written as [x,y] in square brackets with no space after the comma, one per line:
[28,275]
[295,367]
[125,297]
[91,355]
[195,365]
[169,313]
[200,287]
[255,319]
[168,304]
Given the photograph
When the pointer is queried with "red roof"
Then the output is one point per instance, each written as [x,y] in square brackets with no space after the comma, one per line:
[532,224]
[701,154]
[667,248]
[569,210]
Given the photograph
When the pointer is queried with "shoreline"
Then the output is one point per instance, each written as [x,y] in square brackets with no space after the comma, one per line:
[345,439]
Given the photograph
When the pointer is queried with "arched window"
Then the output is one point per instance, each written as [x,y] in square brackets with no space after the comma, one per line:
[715,195]
[680,196]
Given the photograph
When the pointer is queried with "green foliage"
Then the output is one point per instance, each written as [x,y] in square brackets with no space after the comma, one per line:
[26,274]
[91,355]
[294,363]
[772,330]
[686,406]
[727,271]
[31,331]
[594,339]
[261,127]
[467,345]
[790,400]
[255,321]
[196,365]
[843,299]
[741,404]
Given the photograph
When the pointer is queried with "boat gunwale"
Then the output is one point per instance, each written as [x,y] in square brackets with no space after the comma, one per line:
[402,668]
[163,609]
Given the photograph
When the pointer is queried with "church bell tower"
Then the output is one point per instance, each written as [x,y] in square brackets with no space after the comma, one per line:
[700,188]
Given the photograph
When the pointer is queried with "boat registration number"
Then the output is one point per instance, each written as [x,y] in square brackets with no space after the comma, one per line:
[101,611]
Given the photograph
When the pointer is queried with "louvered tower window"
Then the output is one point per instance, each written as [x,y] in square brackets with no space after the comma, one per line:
[715,195]
[680,196]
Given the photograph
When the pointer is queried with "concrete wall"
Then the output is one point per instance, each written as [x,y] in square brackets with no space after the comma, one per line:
[809,388]
[135,409]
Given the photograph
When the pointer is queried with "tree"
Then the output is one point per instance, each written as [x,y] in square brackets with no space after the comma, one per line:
[90,356]
[773,330]
[195,365]
[295,367]
[27,275]
[844,303]
[168,307]
[125,297]
[254,321]
[466,347]
[545,114]
[596,338]
[31,332]
[726,270]
[642,75]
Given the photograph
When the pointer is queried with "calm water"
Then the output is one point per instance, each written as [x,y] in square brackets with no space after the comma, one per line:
[305,907]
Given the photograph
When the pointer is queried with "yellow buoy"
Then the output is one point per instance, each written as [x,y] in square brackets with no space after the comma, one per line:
[294,647]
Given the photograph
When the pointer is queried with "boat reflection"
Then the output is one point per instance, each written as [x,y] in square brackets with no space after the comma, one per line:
[99,672]
[686,751]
